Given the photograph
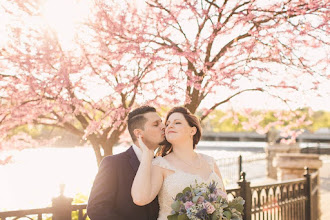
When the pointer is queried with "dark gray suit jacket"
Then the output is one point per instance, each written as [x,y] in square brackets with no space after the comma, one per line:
[110,198]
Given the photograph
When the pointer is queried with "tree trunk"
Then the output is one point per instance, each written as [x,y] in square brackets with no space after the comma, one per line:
[191,107]
[195,102]
[107,145]
[108,148]
[97,150]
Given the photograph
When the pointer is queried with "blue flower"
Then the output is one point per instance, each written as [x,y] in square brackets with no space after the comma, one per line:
[213,186]
[202,214]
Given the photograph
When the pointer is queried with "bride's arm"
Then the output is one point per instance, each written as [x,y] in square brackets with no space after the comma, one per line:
[148,179]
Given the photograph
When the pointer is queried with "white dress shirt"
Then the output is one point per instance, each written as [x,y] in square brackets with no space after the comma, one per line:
[138,152]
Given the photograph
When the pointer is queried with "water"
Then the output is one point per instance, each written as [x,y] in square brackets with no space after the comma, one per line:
[35,174]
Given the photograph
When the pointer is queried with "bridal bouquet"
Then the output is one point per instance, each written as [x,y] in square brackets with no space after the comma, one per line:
[205,202]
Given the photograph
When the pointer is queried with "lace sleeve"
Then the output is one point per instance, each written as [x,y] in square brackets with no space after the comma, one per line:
[161,162]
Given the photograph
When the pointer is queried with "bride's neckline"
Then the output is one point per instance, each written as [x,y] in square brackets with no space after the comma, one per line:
[191,174]
[175,170]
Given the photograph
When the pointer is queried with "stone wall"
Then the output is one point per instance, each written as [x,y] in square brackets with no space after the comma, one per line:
[291,165]
[272,151]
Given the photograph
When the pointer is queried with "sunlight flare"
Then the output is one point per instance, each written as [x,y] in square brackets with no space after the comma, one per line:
[64,15]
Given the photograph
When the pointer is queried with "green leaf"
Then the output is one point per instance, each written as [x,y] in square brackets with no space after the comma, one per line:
[183,217]
[224,205]
[237,203]
[195,199]
[187,189]
[173,217]
[227,214]
[179,195]
[176,206]
[215,215]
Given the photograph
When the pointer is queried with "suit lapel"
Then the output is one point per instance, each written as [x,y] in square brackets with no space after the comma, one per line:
[133,160]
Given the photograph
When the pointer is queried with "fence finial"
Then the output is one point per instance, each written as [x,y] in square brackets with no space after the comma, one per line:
[62,206]
[243,175]
[306,170]
[62,187]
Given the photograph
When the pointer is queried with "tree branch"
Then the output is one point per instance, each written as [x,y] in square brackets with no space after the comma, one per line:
[160,6]
[227,99]
[224,49]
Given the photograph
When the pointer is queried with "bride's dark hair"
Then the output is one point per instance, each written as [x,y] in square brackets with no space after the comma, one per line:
[192,120]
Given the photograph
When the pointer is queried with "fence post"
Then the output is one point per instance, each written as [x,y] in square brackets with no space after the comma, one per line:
[245,192]
[308,204]
[62,206]
[240,169]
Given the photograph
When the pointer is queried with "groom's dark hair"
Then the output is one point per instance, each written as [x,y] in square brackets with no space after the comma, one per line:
[136,119]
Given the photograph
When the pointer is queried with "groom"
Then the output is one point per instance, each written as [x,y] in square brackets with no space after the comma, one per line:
[110,197]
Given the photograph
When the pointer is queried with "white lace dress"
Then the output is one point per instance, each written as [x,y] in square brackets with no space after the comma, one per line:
[176,182]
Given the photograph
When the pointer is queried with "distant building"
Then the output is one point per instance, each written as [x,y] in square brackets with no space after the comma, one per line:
[323,131]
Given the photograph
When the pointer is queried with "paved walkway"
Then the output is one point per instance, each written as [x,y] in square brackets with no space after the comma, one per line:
[325,188]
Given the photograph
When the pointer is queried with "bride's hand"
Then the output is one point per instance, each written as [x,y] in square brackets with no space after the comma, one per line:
[145,150]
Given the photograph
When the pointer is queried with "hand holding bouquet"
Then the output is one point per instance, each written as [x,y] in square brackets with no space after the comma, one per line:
[205,202]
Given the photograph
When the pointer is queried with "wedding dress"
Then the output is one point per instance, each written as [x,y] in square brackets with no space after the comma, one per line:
[176,182]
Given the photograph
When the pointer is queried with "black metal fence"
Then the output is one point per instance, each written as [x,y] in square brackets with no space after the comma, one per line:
[290,200]
[62,209]
[232,167]
[75,212]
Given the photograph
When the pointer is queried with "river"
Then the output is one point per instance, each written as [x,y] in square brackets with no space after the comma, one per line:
[33,178]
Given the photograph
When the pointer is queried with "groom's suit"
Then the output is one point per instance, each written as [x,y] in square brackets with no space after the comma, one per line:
[110,198]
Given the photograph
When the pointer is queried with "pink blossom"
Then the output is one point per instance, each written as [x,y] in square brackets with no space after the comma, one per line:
[188,204]
[222,194]
[209,207]
[213,196]
[200,199]
[6,160]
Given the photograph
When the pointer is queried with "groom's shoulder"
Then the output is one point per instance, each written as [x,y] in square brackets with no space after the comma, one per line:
[116,157]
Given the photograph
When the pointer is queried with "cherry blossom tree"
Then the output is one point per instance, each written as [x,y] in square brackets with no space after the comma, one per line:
[169,52]
[278,48]
[214,45]
[12,108]
[86,88]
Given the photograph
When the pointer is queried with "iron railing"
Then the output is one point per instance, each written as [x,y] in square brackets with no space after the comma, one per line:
[232,167]
[290,200]
[76,211]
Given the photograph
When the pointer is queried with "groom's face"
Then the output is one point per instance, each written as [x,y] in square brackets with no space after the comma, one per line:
[153,133]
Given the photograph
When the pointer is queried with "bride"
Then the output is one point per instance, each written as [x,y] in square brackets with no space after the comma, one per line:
[178,166]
